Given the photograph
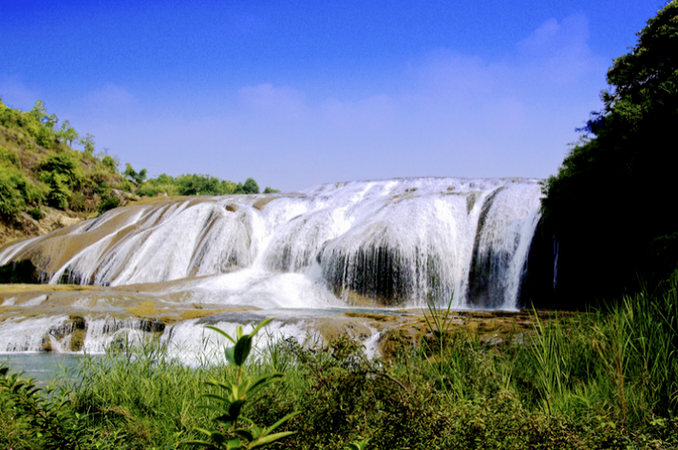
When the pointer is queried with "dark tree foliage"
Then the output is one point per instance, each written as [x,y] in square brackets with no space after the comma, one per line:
[250,186]
[200,185]
[611,205]
[132,175]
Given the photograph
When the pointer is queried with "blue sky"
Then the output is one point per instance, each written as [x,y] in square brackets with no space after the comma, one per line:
[298,93]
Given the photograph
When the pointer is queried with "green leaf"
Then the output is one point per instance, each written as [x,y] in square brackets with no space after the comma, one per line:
[265,440]
[234,409]
[260,325]
[221,332]
[234,444]
[217,438]
[225,420]
[245,434]
[218,398]
[229,353]
[242,349]
[281,421]
[205,431]
[264,380]
[219,384]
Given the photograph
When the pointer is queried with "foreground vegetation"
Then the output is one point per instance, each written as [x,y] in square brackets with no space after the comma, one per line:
[602,379]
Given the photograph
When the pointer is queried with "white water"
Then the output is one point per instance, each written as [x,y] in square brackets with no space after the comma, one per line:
[398,242]
[30,335]
[188,340]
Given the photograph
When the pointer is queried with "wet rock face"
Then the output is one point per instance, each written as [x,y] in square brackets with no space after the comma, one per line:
[382,273]
[487,286]
[19,272]
[70,335]
[24,226]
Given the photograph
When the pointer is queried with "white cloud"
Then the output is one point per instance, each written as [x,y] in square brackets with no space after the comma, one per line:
[558,52]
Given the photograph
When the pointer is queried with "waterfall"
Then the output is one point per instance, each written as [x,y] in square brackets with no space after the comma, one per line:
[378,243]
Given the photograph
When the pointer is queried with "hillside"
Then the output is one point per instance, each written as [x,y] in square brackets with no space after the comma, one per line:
[47,183]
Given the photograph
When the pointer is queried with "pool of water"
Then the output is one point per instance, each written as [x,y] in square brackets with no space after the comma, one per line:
[43,367]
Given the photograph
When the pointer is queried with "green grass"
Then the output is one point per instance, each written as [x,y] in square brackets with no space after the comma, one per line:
[601,379]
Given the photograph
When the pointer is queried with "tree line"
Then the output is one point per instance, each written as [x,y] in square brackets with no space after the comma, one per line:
[611,206]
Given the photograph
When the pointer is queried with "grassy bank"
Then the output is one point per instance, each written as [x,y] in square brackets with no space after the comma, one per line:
[603,379]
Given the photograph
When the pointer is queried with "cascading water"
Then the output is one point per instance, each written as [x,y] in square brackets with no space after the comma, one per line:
[392,243]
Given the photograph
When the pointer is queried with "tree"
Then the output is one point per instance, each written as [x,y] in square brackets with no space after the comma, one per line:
[611,199]
[250,186]
[87,143]
[133,176]
[110,162]
[39,111]
[68,134]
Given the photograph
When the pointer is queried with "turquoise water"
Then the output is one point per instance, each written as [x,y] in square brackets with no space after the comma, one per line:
[44,367]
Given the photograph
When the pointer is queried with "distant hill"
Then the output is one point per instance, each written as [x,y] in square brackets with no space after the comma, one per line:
[46,183]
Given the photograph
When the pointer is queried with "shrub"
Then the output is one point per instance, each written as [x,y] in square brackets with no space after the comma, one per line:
[110,163]
[78,202]
[108,201]
[36,213]
[148,191]
[8,157]
[64,165]
[11,200]
[235,431]
[58,189]
[16,191]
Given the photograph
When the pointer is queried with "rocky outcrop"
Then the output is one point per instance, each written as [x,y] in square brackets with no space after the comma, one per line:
[23,226]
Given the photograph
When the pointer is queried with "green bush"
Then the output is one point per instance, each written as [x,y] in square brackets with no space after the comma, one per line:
[597,380]
[149,191]
[36,213]
[108,201]
[16,192]
[234,431]
[615,186]
[58,189]
[8,157]
[65,166]
[11,201]
[110,163]
[78,202]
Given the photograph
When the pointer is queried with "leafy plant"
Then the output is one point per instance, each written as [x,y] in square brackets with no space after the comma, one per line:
[358,444]
[36,213]
[46,416]
[108,201]
[234,430]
